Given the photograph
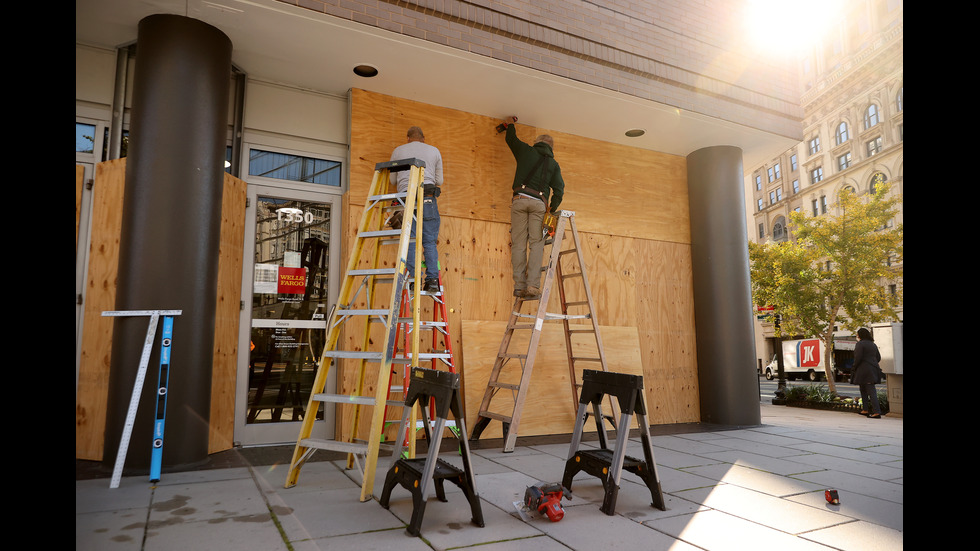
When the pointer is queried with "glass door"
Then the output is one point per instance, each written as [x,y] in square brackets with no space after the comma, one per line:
[293,238]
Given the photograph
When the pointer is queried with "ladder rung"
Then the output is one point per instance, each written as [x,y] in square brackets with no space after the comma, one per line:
[508,386]
[581,330]
[380,233]
[388,196]
[522,326]
[567,251]
[363,312]
[497,416]
[372,271]
[513,356]
[322,444]
[573,274]
[583,359]
[357,355]
[577,303]
[344,399]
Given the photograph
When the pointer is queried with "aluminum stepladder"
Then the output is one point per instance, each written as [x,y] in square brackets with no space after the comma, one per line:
[441,388]
[439,355]
[163,380]
[360,279]
[608,464]
[569,310]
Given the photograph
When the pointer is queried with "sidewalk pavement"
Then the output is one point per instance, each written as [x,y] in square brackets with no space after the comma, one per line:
[757,488]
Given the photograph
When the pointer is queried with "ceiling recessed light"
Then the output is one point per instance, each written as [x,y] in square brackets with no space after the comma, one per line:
[635,132]
[365,70]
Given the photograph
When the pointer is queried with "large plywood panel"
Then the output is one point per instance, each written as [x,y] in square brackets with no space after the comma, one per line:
[100,295]
[224,371]
[613,189]
[631,212]
[551,404]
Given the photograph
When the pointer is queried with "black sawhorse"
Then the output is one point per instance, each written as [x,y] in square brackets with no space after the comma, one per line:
[441,388]
[608,464]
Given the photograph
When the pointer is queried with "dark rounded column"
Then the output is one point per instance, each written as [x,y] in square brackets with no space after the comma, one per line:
[728,384]
[168,257]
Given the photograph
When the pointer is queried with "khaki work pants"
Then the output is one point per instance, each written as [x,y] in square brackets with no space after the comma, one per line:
[526,217]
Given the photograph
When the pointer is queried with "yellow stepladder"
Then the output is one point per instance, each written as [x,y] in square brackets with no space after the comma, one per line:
[366,280]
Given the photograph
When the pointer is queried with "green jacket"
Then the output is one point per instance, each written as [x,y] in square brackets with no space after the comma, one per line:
[546,177]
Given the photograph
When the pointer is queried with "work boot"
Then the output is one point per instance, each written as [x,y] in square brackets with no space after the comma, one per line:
[532,293]
[431,285]
[519,293]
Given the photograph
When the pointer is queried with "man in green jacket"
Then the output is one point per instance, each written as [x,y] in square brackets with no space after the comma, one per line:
[537,176]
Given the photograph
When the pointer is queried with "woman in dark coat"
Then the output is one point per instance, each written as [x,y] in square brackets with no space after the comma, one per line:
[867,373]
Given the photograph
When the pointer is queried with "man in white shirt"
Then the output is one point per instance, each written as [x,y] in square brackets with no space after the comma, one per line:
[416,148]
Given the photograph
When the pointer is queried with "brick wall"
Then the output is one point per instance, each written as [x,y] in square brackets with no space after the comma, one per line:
[685,54]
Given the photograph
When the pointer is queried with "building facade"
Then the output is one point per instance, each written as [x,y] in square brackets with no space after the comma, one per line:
[852,83]
[638,97]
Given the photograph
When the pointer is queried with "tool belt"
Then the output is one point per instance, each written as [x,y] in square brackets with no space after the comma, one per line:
[431,191]
[532,192]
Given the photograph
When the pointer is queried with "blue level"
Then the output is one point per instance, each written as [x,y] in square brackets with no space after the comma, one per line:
[161,410]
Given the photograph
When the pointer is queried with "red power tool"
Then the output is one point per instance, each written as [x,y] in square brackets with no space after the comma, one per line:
[545,498]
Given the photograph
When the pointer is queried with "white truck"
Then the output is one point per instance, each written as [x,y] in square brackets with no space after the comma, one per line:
[801,358]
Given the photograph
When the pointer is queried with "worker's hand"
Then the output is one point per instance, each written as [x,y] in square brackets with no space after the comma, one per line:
[512,119]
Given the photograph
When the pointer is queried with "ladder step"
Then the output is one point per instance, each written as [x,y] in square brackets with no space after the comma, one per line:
[577,303]
[363,312]
[372,271]
[567,251]
[379,233]
[333,445]
[581,330]
[521,326]
[344,399]
[508,386]
[497,416]
[571,275]
[388,196]
[583,359]
[513,356]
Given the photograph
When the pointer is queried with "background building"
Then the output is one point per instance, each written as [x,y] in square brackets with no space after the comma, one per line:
[656,108]
[852,82]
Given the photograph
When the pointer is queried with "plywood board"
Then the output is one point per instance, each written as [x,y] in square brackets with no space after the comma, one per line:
[100,295]
[551,405]
[614,189]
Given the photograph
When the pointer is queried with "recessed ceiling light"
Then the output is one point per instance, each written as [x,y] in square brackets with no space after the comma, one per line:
[365,70]
[635,132]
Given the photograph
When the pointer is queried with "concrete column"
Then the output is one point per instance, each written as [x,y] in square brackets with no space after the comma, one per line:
[729,386]
[168,258]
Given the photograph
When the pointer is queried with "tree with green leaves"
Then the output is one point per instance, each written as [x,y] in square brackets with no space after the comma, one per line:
[835,270]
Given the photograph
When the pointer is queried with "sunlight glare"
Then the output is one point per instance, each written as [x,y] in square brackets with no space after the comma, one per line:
[788,26]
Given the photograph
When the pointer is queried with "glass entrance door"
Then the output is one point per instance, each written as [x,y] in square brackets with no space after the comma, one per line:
[294,240]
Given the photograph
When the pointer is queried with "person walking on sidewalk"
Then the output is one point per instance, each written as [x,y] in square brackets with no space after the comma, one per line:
[431,189]
[537,177]
[867,373]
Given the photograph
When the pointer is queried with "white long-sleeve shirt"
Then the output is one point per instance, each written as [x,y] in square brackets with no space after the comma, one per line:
[418,150]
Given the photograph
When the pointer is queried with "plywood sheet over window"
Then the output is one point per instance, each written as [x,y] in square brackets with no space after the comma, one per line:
[93,376]
[631,210]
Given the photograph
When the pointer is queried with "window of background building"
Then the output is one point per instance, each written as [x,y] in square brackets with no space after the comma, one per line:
[840,136]
[758,182]
[84,138]
[762,231]
[814,205]
[823,204]
[871,116]
[816,175]
[793,163]
[796,186]
[779,230]
[761,204]
[874,146]
[844,161]
[814,145]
